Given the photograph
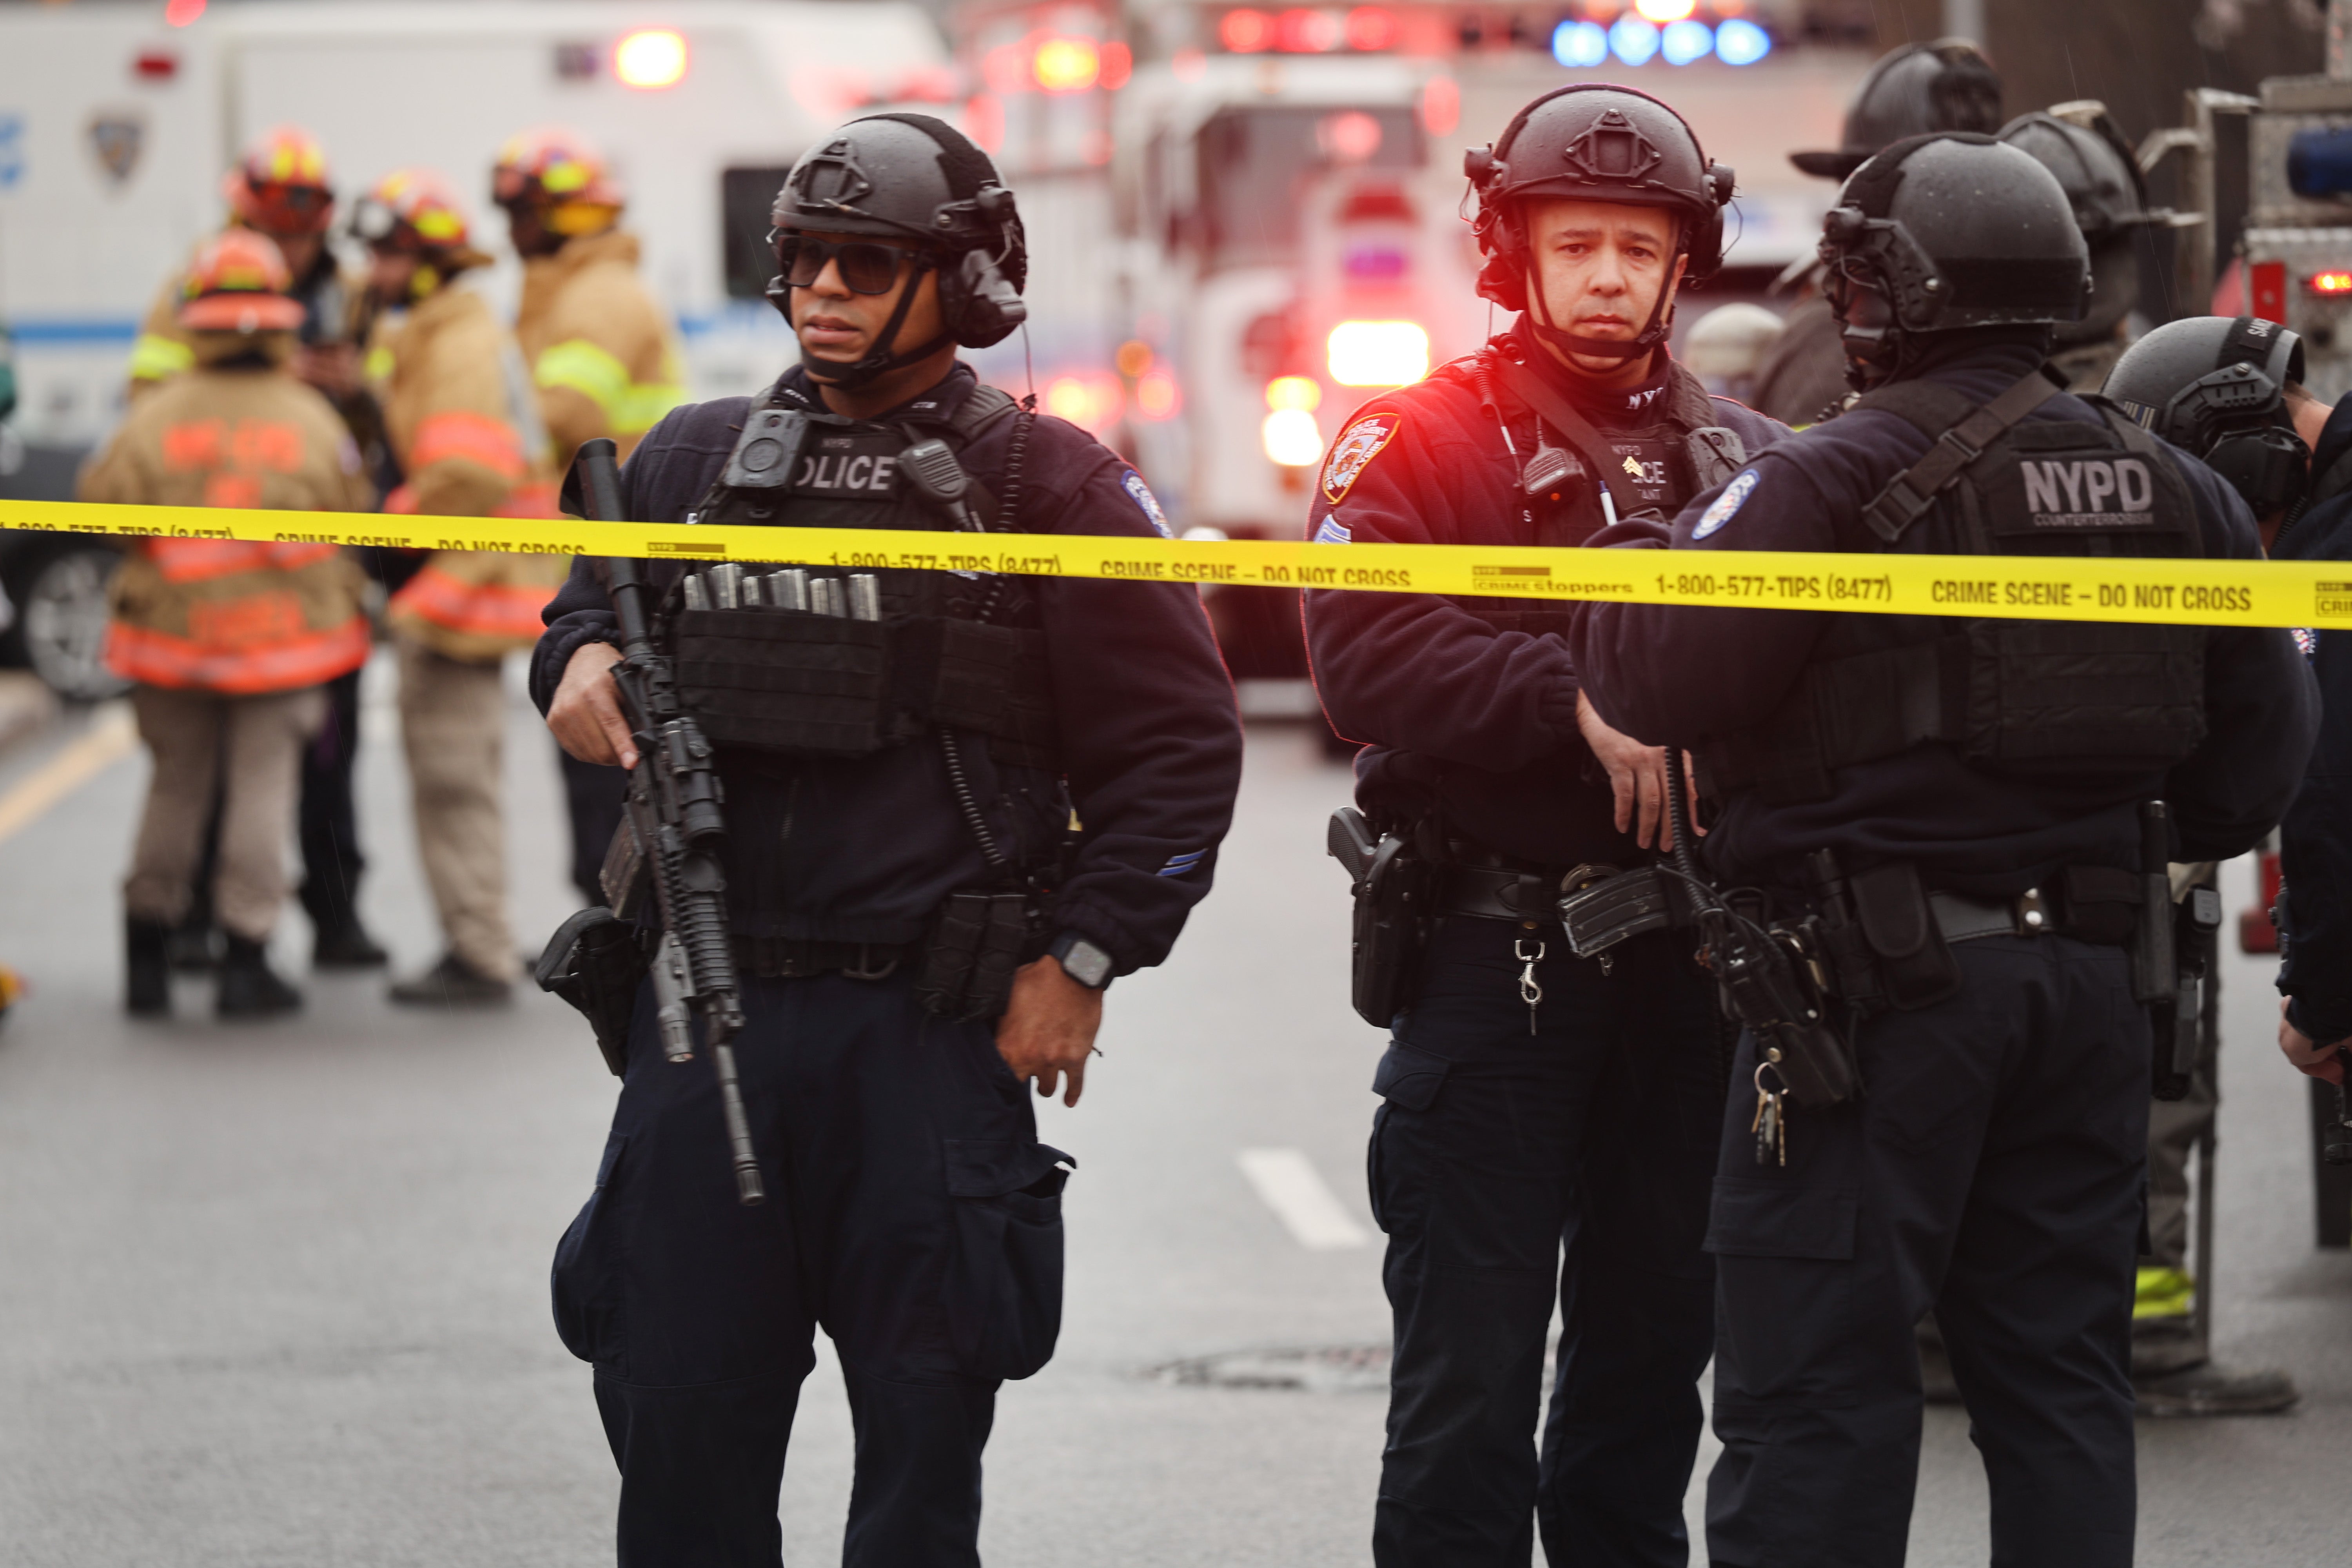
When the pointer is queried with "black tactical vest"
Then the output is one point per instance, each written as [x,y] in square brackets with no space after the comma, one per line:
[2076,699]
[1654,468]
[950,649]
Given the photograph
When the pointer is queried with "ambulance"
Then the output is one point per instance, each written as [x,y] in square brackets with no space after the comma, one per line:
[117,120]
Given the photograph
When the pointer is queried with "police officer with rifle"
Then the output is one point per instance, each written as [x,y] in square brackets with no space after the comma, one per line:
[1941,845]
[931,816]
[1543,1086]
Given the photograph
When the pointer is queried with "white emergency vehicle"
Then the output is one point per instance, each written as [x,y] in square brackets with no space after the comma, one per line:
[117,120]
[116,125]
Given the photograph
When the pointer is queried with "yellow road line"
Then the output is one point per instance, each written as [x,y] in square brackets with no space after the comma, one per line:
[110,740]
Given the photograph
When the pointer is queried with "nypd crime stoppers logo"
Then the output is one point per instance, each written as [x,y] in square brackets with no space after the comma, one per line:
[1148,504]
[1735,495]
[1358,445]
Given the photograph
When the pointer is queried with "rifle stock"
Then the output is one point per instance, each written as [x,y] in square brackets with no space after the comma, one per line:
[674,805]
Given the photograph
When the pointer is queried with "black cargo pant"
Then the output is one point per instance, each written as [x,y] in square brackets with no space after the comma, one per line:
[1495,1148]
[1991,1170]
[912,1214]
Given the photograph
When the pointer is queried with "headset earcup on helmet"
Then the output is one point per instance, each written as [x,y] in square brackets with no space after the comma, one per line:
[978,304]
[1504,280]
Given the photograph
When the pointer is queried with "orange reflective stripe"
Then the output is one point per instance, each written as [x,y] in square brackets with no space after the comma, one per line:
[199,560]
[158,659]
[484,609]
[239,492]
[248,621]
[530,501]
[474,438]
[252,445]
[194,445]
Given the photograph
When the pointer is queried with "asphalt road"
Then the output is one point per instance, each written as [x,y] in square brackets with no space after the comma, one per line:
[277,1295]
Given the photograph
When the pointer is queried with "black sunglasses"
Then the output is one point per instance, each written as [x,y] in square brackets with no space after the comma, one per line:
[865,267]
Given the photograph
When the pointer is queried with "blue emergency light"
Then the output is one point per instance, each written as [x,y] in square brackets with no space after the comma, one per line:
[1635,41]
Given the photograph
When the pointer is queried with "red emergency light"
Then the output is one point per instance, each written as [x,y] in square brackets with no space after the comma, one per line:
[2336,280]
[1304,30]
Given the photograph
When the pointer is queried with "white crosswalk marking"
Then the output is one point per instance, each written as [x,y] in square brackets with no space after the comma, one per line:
[1288,1184]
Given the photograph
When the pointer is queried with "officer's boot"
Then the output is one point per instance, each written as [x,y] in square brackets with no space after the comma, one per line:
[249,988]
[146,968]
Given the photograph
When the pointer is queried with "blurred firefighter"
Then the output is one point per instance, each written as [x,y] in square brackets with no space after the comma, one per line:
[464,428]
[281,188]
[601,356]
[2079,142]
[230,642]
[1948,85]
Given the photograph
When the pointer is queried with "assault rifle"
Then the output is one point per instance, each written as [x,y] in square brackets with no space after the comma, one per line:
[674,816]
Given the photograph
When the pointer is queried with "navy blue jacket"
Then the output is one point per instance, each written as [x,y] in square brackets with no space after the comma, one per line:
[2316,839]
[871,845]
[1474,722]
[1681,675]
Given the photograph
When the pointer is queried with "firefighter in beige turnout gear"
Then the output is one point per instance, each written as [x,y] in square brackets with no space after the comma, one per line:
[603,357]
[464,426]
[281,188]
[230,642]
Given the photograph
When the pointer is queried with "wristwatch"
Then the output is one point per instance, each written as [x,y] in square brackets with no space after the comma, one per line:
[1082,960]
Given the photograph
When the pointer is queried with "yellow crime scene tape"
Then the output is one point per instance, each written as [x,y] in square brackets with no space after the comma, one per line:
[2026,587]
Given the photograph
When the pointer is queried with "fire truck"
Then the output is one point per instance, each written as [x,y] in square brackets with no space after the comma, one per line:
[1247,220]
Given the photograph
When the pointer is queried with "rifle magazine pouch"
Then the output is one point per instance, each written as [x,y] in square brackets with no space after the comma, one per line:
[975,676]
[596,962]
[974,948]
[788,681]
[1629,904]
[1916,968]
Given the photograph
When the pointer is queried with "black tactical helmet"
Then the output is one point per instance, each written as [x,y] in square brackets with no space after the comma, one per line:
[1944,231]
[2101,179]
[920,182]
[1948,85]
[1600,144]
[2216,388]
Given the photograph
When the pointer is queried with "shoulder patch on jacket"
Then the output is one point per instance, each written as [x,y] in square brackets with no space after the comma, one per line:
[1719,511]
[1358,445]
[1146,502]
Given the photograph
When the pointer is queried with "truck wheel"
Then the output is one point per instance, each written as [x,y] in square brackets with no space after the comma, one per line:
[61,620]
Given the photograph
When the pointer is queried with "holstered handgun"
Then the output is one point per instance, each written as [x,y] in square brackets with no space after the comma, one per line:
[1392,890]
[596,962]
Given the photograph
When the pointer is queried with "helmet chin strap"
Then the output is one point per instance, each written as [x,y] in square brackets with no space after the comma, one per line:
[1653,332]
[880,360]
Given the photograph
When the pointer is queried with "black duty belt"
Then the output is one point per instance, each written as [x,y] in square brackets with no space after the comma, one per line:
[1498,894]
[1496,888]
[2089,903]
[785,958]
